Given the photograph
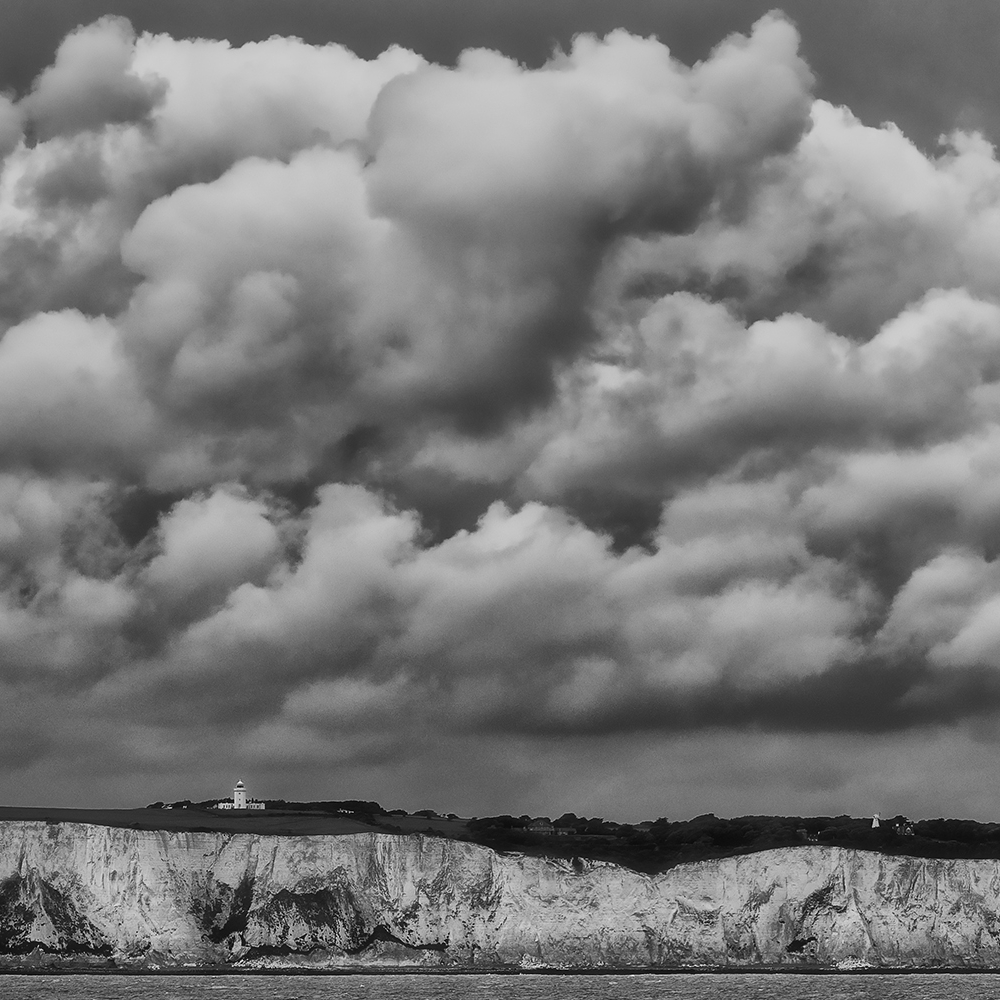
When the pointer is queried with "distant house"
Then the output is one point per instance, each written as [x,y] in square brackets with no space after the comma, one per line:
[540,825]
[239,799]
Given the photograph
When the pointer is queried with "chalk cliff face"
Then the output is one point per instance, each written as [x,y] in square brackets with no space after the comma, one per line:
[73,893]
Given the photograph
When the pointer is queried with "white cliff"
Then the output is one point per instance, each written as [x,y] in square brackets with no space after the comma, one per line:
[73,892]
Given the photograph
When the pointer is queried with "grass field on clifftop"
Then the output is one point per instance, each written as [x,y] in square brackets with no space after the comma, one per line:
[191,820]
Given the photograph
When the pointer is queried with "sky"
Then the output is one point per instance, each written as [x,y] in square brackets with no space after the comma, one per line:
[501,408]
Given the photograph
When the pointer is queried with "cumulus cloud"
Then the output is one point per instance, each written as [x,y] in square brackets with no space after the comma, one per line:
[689,391]
[352,405]
[70,399]
[208,547]
[947,609]
[530,619]
[349,271]
[850,228]
[508,186]
[91,83]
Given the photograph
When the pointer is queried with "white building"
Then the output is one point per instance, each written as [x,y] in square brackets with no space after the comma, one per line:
[239,799]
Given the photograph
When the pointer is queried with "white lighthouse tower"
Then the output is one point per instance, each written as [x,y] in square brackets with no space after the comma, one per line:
[239,799]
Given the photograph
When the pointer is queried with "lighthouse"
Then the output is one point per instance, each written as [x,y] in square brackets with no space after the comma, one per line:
[239,799]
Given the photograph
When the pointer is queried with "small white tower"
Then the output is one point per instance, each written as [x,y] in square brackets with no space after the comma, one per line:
[240,795]
[875,821]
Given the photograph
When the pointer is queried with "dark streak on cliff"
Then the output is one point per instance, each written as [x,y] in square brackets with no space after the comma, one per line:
[239,911]
[23,899]
[384,934]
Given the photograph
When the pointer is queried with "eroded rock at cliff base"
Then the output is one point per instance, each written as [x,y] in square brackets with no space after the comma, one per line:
[78,893]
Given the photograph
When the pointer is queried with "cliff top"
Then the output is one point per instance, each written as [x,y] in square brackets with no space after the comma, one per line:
[195,819]
[649,847]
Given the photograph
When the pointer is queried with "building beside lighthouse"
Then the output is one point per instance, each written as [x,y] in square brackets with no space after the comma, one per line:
[239,799]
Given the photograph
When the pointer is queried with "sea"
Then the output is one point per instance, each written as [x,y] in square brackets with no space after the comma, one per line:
[854,986]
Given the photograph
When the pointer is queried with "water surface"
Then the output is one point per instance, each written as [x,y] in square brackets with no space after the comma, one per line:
[519,987]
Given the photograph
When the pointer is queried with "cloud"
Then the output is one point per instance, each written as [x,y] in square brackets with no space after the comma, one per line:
[71,198]
[686,390]
[270,99]
[285,271]
[354,405]
[851,228]
[10,126]
[507,186]
[947,611]
[530,619]
[244,329]
[63,609]
[91,84]
[211,545]
[69,399]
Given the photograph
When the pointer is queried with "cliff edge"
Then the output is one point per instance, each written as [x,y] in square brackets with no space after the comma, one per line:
[73,894]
